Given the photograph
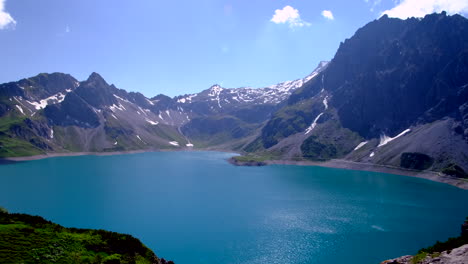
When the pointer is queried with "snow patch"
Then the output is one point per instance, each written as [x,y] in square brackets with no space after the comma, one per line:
[20,109]
[384,140]
[189,145]
[215,91]
[149,101]
[187,99]
[122,99]
[174,143]
[309,129]
[360,145]
[51,133]
[310,77]
[119,107]
[141,111]
[153,123]
[56,98]
[372,154]
[325,102]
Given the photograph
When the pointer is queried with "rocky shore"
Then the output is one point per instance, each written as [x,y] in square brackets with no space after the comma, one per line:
[453,251]
[455,256]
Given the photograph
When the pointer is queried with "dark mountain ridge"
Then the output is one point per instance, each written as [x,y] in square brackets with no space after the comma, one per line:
[392,78]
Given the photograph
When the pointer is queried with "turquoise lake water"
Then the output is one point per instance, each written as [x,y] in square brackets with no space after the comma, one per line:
[194,207]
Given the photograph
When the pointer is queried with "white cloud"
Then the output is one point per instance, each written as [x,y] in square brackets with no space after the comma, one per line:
[288,15]
[419,8]
[327,14]
[5,18]
[67,29]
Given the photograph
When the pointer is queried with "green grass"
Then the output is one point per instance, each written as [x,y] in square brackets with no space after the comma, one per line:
[10,145]
[255,157]
[451,243]
[13,147]
[32,239]
[438,247]
[418,258]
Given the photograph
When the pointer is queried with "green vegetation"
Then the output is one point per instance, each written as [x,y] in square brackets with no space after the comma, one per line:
[256,145]
[217,130]
[254,158]
[13,146]
[416,161]
[435,250]
[32,239]
[288,121]
[329,141]
[418,258]
[167,132]
[315,150]
[451,243]
[455,170]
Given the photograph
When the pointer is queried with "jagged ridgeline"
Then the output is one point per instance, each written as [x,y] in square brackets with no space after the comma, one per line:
[56,113]
[396,93]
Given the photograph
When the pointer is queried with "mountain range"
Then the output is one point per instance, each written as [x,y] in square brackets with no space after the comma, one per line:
[395,94]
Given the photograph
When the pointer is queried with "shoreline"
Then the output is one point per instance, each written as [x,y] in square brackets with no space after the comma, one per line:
[72,154]
[336,163]
[360,166]
[111,153]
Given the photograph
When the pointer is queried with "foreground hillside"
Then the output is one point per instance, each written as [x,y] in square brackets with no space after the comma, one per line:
[32,239]
[452,251]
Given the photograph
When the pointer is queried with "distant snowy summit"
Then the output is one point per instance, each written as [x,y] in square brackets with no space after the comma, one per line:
[227,97]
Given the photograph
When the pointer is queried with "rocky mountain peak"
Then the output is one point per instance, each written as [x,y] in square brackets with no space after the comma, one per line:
[215,87]
[45,84]
[97,80]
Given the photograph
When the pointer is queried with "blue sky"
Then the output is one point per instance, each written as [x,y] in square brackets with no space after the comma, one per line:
[178,47]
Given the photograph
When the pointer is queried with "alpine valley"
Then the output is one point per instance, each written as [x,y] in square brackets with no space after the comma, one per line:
[395,94]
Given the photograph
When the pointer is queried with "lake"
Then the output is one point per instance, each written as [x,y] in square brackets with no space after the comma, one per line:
[194,207]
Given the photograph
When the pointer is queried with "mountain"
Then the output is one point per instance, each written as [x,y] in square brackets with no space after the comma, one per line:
[396,94]
[221,115]
[56,113]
